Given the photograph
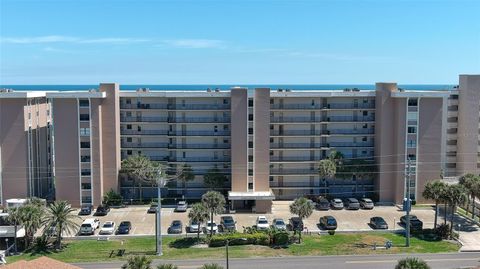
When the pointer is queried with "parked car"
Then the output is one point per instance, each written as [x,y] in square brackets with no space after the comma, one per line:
[176,227]
[328,223]
[108,227]
[378,223]
[89,226]
[228,223]
[352,203]
[194,227]
[279,224]
[181,206]
[323,204]
[415,223]
[366,203]
[102,210]
[262,223]
[152,209]
[336,203]
[211,226]
[124,228]
[85,210]
[296,224]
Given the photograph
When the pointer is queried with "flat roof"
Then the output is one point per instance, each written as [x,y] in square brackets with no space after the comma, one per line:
[251,195]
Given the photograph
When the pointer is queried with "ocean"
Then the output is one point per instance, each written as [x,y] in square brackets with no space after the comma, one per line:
[202,87]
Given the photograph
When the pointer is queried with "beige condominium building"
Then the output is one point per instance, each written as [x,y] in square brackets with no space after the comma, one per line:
[67,145]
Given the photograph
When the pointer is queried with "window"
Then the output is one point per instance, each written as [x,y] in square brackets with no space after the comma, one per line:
[86,199]
[250,157]
[250,186]
[412,129]
[271,178]
[412,102]
[85,159]
[271,101]
[83,103]
[271,140]
[412,116]
[84,131]
[250,102]
[412,157]
[85,145]
[365,113]
[250,117]
[129,126]
[225,101]
[365,126]
[86,186]
[250,130]
[129,139]
[128,101]
[225,127]
[411,143]
[364,139]
[250,172]
[86,172]
[129,152]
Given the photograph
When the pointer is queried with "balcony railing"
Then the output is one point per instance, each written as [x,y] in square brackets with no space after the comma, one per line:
[296,145]
[144,145]
[143,119]
[293,159]
[199,120]
[323,119]
[144,132]
[293,171]
[199,133]
[298,132]
[199,159]
[199,106]
[143,106]
[199,146]
[351,131]
[320,106]
[349,118]
[350,144]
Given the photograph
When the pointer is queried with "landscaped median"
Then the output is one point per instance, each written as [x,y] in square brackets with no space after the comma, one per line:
[259,246]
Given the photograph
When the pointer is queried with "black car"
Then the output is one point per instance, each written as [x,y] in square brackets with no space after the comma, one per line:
[228,223]
[415,223]
[124,227]
[296,224]
[152,209]
[176,227]
[352,203]
[378,223]
[323,204]
[102,210]
[328,223]
[85,210]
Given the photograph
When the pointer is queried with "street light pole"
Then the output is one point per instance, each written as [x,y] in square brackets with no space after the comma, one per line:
[226,250]
[158,229]
[407,203]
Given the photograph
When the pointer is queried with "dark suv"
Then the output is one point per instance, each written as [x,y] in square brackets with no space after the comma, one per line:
[323,204]
[415,223]
[228,224]
[296,224]
[328,223]
[102,210]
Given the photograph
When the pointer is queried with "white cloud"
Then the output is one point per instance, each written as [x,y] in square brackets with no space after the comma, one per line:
[195,43]
[69,39]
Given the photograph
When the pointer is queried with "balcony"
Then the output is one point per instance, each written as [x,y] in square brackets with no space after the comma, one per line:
[322,119]
[199,106]
[351,131]
[349,118]
[295,119]
[144,145]
[143,106]
[199,159]
[294,159]
[298,133]
[199,146]
[143,119]
[321,106]
[296,145]
[293,172]
[144,132]
[199,120]
[350,144]
[199,133]
[351,106]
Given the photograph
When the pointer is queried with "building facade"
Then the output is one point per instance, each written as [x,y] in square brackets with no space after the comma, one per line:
[69,145]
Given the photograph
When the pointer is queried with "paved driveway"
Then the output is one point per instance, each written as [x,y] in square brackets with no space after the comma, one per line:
[348,220]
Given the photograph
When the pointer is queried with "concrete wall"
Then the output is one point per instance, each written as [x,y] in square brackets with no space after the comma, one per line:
[97,152]
[239,139]
[261,158]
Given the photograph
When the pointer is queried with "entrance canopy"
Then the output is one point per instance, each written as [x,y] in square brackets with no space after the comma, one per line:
[251,195]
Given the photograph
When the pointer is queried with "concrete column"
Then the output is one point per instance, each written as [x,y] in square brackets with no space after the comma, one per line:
[97,150]
[261,144]
[239,139]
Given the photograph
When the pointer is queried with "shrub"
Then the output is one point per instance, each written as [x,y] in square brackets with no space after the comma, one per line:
[331,232]
[412,263]
[186,242]
[236,239]
[443,231]
[280,238]
[167,266]
[211,266]
[111,198]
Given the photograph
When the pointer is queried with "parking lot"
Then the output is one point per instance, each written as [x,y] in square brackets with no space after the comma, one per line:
[348,220]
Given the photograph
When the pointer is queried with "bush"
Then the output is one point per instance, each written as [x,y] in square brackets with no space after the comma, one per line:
[331,232]
[211,266]
[236,239]
[186,242]
[443,231]
[111,198]
[280,238]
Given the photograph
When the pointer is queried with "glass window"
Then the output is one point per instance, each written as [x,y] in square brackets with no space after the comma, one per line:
[412,116]
[412,129]
[412,102]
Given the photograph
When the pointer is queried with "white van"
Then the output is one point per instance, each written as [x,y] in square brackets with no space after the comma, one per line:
[89,226]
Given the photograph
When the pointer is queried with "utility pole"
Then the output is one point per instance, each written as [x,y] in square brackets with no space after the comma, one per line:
[408,203]
[160,182]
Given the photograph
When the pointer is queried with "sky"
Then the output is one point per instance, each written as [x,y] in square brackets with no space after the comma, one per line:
[238,42]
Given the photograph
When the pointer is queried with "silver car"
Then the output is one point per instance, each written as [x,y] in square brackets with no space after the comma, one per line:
[181,206]
[366,203]
[279,224]
[336,203]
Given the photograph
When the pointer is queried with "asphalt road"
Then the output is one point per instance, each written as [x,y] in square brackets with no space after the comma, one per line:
[436,261]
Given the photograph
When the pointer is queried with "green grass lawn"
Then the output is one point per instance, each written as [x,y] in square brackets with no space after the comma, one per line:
[91,250]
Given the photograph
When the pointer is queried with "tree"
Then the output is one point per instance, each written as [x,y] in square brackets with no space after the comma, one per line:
[60,216]
[337,158]
[184,175]
[412,263]
[456,195]
[434,190]
[211,266]
[15,217]
[199,213]
[138,262]
[112,198]
[214,179]
[471,183]
[167,266]
[303,209]
[326,169]
[32,215]
[214,202]
[141,169]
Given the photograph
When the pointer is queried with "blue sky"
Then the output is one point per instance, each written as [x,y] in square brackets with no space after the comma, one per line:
[244,42]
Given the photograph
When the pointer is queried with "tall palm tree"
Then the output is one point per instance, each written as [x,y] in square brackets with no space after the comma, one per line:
[184,175]
[303,209]
[434,190]
[214,179]
[214,202]
[326,169]
[32,215]
[412,263]
[60,215]
[456,195]
[138,262]
[472,185]
[141,169]
[199,213]
[167,266]
[15,217]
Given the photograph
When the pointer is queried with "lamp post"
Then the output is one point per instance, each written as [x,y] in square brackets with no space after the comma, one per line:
[408,203]
[158,215]
[227,241]
[6,242]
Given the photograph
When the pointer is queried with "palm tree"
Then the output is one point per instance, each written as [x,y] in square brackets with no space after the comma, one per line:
[60,215]
[412,263]
[141,169]
[199,213]
[211,266]
[167,266]
[472,184]
[456,195]
[434,190]
[15,217]
[303,208]
[326,169]
[214,179]
[214,202]
[32,215]
[184,175]
[138,262]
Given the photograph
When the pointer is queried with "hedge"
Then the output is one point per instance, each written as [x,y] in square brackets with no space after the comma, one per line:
[236,239]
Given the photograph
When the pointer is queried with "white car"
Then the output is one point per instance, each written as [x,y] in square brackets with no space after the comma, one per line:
[262,223]
[211,226]
[194,227]
[107,228]
[89,226]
